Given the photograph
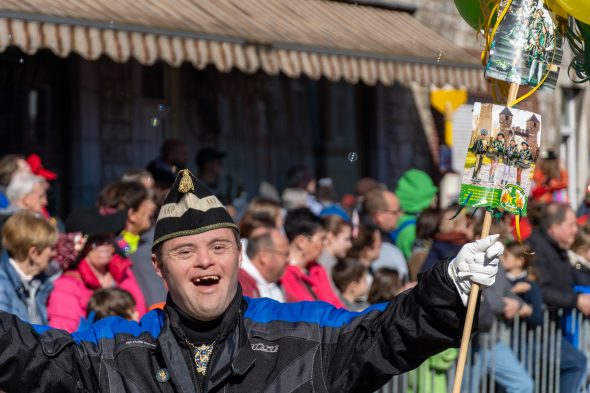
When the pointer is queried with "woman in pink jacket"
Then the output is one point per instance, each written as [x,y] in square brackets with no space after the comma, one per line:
[98,267]
[305,279]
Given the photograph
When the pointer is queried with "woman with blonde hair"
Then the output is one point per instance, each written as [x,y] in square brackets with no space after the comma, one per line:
[28,240]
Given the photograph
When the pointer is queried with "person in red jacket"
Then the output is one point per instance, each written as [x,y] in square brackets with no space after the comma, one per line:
[97,266]
[304,278]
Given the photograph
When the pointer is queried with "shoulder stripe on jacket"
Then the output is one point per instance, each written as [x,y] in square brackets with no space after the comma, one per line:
[266,310]
[109,327]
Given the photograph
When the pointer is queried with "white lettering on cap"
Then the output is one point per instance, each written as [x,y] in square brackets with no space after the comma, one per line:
[188,202]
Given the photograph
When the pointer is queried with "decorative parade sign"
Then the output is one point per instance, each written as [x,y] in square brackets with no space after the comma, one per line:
[526,46]
[500,162]
[523,46]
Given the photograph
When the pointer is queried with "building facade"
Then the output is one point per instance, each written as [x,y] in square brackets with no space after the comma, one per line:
[95,97]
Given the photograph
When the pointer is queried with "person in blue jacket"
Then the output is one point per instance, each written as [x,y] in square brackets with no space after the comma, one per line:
[209,338]
[28,240]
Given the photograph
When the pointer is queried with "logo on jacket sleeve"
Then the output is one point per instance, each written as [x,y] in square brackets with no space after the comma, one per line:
[265,348]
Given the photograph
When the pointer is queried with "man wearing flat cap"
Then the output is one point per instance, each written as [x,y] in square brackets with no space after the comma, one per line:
[209,338]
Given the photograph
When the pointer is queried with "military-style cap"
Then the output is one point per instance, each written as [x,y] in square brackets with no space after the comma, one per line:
[483,131]
[189,208]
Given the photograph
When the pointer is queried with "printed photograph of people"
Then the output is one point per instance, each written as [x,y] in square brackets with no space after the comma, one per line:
[526,47]
[503,147]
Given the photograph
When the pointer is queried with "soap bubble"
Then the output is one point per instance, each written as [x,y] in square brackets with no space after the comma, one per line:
[352,156]
[154,122]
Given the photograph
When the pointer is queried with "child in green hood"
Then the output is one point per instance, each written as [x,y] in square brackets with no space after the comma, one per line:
[416,192]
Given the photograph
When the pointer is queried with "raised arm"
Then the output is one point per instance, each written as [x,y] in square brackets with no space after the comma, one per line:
[369,348]
[390,339]
[39,359]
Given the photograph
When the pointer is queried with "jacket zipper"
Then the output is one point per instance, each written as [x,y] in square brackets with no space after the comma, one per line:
[194,367]
[211,358]
[201,389]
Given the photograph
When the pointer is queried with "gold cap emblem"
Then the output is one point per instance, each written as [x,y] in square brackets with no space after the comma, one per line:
[186,183]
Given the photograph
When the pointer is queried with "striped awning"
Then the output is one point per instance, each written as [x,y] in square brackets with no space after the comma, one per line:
[296,37]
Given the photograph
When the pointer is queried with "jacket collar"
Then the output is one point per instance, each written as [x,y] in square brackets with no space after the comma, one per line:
[14,278]
[234,355]
[552,243]
[11,273]
[304,274]
[118,269]
[182,375]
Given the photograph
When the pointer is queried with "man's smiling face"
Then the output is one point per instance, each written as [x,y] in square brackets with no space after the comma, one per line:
[201,271]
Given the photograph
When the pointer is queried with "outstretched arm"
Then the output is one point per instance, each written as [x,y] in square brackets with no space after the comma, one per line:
[370,347]
[390,339]
[39,359]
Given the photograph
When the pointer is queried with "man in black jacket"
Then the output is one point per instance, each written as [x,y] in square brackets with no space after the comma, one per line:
[550,242]
[209,338]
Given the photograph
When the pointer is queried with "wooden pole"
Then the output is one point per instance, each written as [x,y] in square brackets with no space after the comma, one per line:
[474,294]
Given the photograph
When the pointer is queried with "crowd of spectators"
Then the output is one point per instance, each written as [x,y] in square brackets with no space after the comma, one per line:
[306,244]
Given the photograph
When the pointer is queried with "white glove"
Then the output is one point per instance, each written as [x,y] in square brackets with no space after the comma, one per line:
[476,262]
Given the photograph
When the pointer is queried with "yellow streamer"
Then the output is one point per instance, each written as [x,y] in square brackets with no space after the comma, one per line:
[517,224]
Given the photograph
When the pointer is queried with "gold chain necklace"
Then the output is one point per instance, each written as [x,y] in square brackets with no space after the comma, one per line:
[201,356]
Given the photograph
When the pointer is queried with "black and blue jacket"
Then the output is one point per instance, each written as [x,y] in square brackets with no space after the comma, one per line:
[273,347]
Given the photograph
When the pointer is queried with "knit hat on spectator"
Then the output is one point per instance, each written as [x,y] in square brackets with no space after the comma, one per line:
[335,211]
[189,209]
[415,191]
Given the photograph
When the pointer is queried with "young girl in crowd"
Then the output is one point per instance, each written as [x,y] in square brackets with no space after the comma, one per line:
[367,244]
[338,241]
[516,261]
[108,302]
[426,229]
[386,285]
[366,247]
[349,277]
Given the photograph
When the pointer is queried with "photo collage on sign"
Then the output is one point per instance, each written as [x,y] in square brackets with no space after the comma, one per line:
[503,149]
